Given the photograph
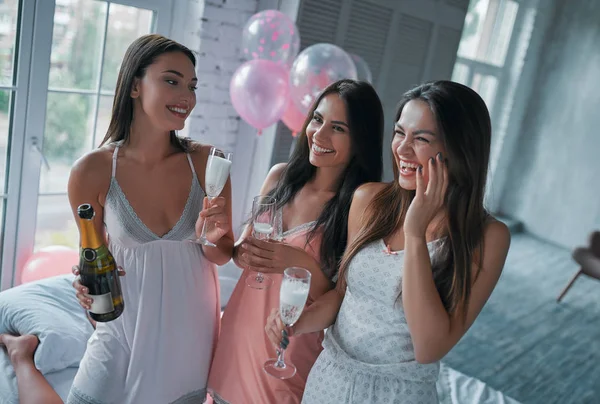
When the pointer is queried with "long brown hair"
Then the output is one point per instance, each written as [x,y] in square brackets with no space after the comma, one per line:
[464,122]
[365,120]
[141,53]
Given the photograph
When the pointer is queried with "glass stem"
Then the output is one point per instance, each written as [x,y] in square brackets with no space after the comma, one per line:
[280,358]
[260,277]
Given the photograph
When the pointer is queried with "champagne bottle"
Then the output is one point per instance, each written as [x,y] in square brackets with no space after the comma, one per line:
[98,270]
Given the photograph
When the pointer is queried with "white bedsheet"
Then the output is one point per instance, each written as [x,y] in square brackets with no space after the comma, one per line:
[457,388]
[453,386]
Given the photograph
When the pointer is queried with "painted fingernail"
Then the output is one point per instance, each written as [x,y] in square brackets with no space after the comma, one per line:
[420,169]
[439,156]
[432,160]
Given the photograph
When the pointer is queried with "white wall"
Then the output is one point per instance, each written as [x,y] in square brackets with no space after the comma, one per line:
[551,182]
[213,29]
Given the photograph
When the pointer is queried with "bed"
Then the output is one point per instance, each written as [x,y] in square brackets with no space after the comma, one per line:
[48,308]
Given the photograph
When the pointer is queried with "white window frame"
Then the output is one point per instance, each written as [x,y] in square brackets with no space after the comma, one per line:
[17,138]
[29,118]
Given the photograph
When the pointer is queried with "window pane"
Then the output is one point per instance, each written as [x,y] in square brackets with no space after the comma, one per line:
[505,22]
[8,34]
[125,24]
[77,44]
[460,74]
[104,113]
[2,202]
[55,223]
[4,135]
[487,30]
[486,87]
[67,136]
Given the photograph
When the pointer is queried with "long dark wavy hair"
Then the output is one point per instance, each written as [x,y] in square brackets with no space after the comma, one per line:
[365,120]
[464,124]
[141,53]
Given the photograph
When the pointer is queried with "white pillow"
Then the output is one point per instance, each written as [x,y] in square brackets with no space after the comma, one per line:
[48,309]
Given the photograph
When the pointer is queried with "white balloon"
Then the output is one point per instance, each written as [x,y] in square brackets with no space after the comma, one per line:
[362,68]
[314,69]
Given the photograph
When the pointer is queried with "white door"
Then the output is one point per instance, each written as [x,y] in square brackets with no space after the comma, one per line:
[55,103]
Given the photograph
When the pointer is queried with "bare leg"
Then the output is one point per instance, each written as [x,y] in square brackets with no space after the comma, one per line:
[33,386]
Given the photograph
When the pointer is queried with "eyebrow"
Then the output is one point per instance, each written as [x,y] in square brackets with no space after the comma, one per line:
[175,72]
[417,132]
[335,122]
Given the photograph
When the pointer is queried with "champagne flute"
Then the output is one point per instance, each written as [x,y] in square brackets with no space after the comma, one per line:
[292,299]
[263,221]
[218,166]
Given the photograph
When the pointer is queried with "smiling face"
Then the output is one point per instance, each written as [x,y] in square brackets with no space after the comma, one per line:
[328,134]
[166,94]
[416,140]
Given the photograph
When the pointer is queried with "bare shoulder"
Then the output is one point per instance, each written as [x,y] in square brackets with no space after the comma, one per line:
[365,193]
[274,175]
[90,177]
[361,199]
[272,178]
[496,242]
[496,233]
[96,164]
[199,153]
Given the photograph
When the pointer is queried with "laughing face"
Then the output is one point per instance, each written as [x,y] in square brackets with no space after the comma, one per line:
[167,91]
[416,140]
[328,134]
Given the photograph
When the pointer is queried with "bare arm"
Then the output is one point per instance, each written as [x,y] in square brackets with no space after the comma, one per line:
[323,312]
[433,331]
[88,183]
[319,283]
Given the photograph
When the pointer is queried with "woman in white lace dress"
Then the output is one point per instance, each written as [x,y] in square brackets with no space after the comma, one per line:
[423,257]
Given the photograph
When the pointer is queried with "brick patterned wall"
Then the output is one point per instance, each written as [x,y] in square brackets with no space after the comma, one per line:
[213,28]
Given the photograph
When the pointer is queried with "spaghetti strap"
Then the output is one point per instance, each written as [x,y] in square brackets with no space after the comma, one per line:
[114,161]
[191,164]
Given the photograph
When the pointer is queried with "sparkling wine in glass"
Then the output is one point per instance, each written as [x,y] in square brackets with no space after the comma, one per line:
[292,299]
[218,166]
[263,223]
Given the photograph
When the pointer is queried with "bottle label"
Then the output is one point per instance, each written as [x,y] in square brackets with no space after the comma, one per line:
[102,304]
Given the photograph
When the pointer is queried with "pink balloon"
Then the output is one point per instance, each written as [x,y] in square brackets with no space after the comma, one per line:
[49,261]
[293,118]
[276,33]
[259,92]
